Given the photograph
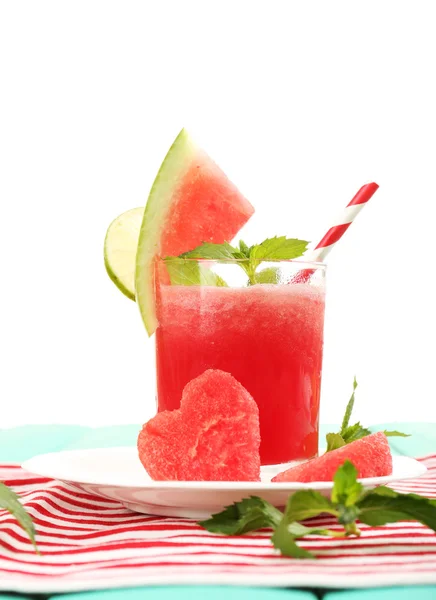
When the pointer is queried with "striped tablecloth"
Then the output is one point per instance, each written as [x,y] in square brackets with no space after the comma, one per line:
[87,542]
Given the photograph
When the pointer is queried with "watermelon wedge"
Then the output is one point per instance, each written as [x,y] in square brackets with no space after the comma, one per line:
[191,202]
[213,436]
[370,455]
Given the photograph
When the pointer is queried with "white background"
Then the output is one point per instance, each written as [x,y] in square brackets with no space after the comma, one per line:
[300,103]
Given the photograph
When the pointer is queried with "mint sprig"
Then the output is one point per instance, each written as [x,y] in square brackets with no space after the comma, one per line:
[182,269]
[349,502]
[351,433]
[11,502]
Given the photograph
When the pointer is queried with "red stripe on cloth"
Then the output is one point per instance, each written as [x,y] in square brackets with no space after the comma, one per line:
[47,499]
[84,538]
[92,505]
[82,518]
[293,565]
[59,530]
[23,481]
[82,495]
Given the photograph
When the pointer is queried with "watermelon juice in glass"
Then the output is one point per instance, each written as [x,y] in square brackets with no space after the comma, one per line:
[269,336]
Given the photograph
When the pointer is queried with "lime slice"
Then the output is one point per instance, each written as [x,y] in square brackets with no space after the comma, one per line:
[120,246]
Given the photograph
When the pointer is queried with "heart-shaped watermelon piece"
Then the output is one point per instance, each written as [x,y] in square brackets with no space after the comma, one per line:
[214,436]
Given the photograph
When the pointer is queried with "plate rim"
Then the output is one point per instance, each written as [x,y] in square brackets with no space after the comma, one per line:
[208,485]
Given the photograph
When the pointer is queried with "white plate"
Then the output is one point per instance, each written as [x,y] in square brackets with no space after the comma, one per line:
[117,473]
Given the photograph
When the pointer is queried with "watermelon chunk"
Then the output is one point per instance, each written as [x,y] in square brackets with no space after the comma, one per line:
[214,436]
[191,202]
[370,455]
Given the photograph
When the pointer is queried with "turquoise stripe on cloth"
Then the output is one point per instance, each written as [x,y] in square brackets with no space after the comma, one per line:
[107,437]
[21,443]
[422,438]
[403,593]
[192,593]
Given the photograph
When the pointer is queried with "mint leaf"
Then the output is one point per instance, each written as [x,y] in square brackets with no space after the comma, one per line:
[298,530]
[334,441]
[432,501]
[11,502]
[383,505]
[306,504]
[395,434]
[241,517]
[277,248]
[355,432]
[284,541]
[183,272]
[301,505]
[214,279]
[245,250]
[346,489]
[212,251]
[346,492]
[190,272]
[268,275]
[349,409]
[283,538]
[382,490]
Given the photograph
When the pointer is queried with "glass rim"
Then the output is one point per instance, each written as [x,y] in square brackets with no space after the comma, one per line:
[305,263]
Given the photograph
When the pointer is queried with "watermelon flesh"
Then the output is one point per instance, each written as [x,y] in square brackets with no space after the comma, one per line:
[207,207]
[214,436]
[191,202]
[370,455]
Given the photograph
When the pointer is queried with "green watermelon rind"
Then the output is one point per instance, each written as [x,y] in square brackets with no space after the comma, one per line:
[175,165]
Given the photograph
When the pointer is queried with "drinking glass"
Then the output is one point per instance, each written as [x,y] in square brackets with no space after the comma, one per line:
[265,328]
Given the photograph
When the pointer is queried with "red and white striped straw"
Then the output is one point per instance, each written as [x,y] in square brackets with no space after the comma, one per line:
[335,232]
